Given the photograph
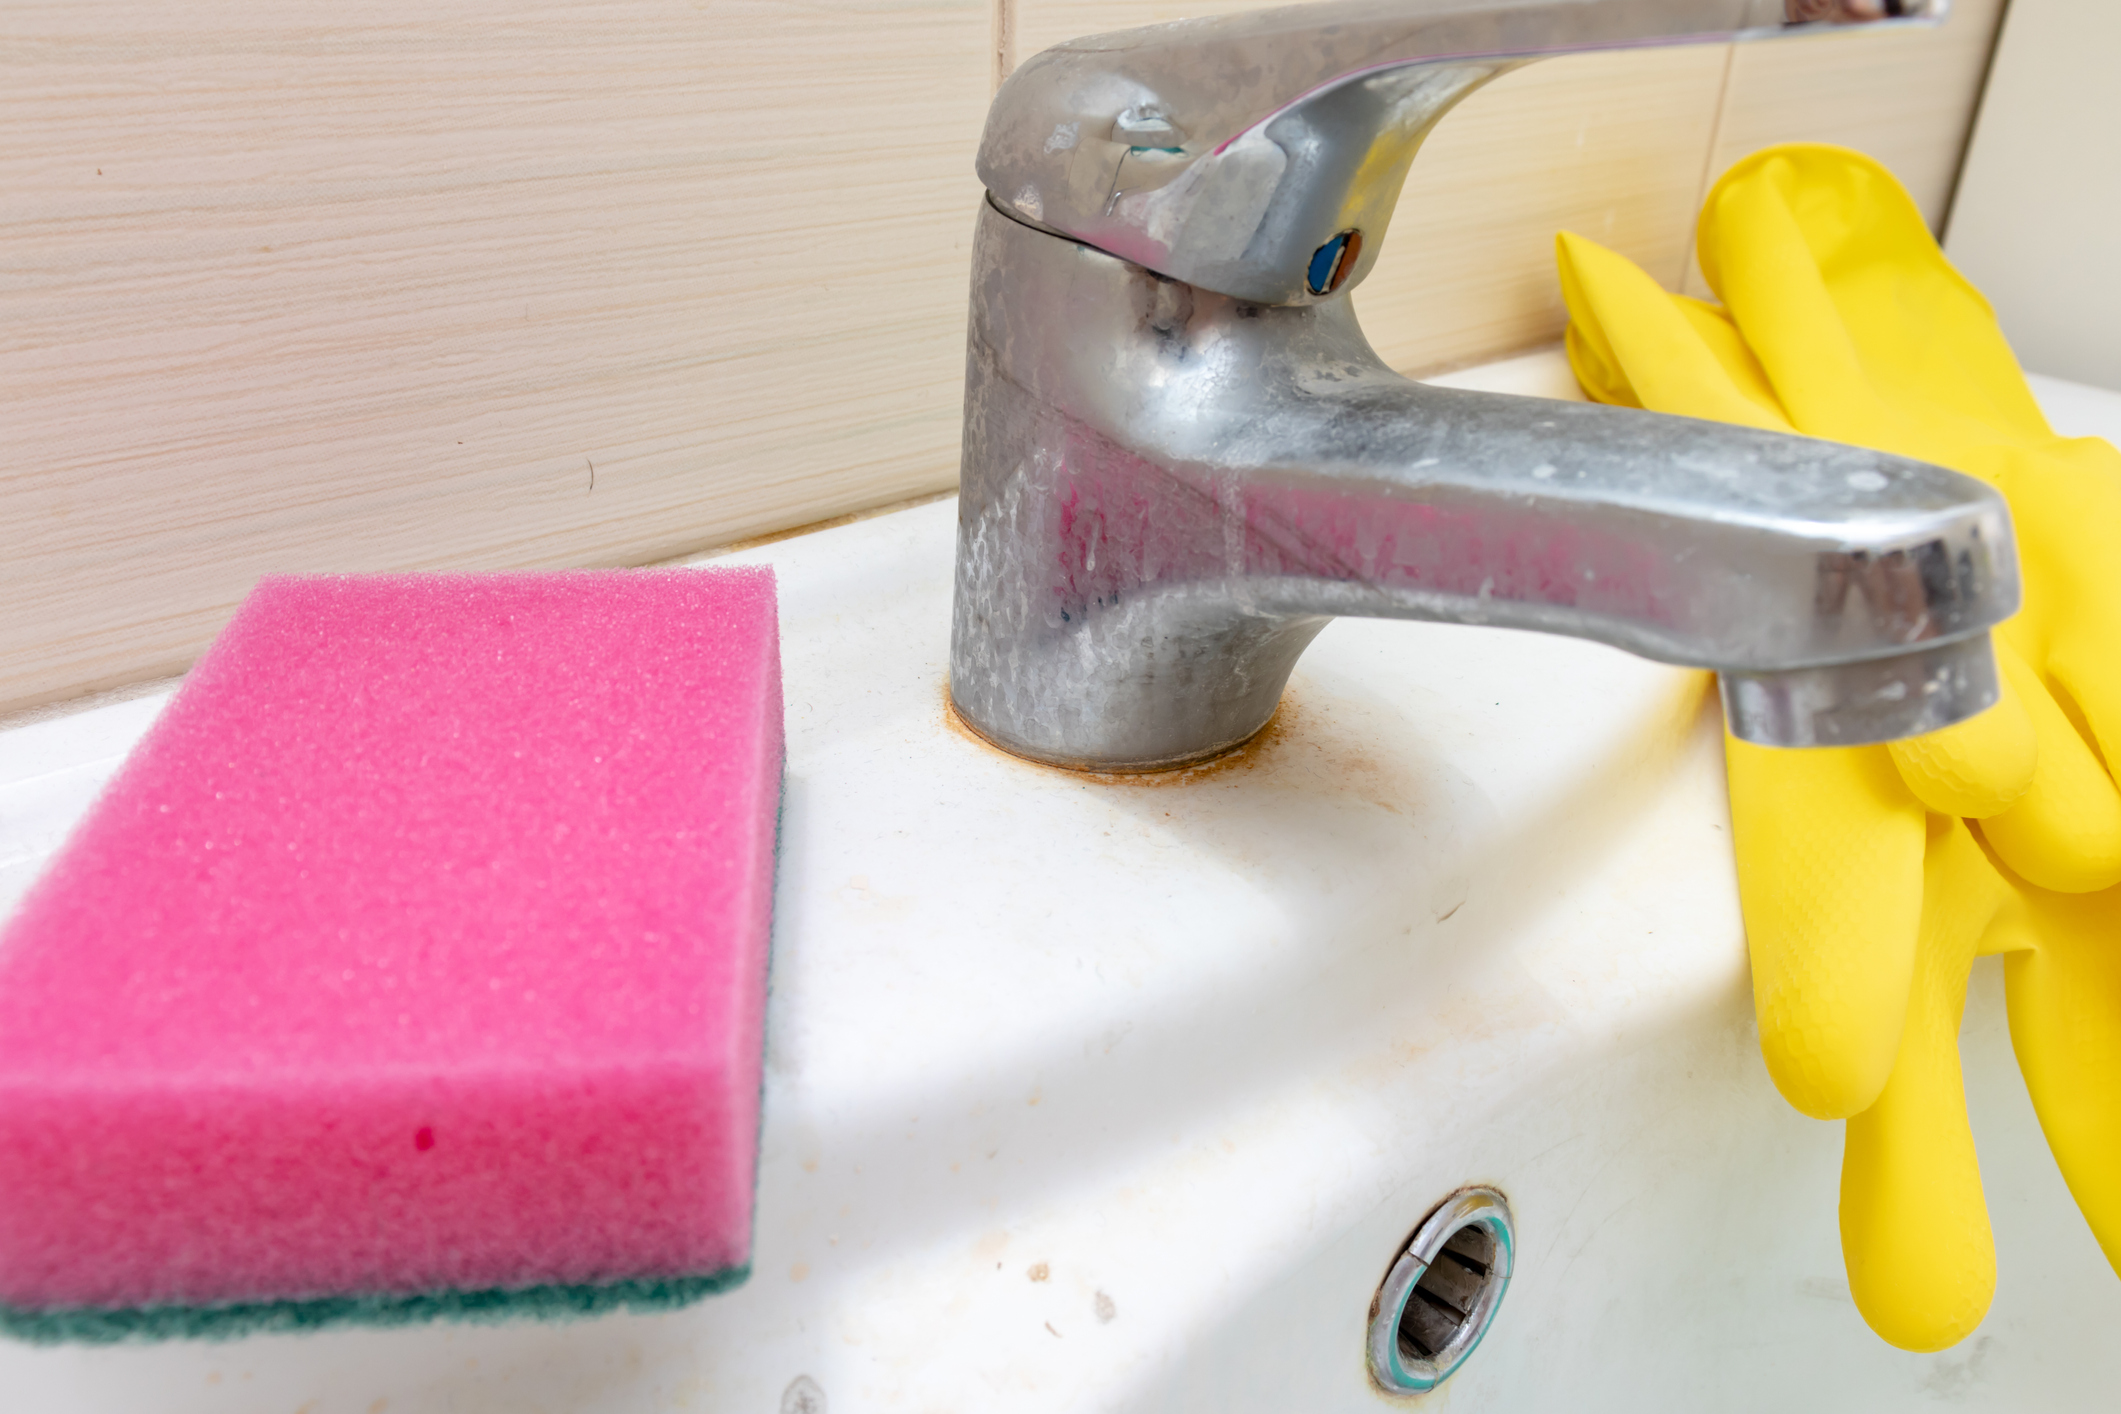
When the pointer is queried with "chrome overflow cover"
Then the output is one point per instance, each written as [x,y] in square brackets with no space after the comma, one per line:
[1442,1292]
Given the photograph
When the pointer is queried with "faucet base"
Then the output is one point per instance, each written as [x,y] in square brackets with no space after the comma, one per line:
[1097,766]
[1166,493]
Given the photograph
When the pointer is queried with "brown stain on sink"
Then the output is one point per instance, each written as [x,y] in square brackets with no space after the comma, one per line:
[1256,751]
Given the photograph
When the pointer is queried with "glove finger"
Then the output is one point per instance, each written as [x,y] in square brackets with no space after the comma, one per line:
[2065,504]
[1634,344]
[1859,298]
[1914,1225]
[2064,995]
[1597,373]
[1829,845]
[1597,365]
[2064,833]
[1758,261]
[2088,668]
[1975,768]
[1714,327]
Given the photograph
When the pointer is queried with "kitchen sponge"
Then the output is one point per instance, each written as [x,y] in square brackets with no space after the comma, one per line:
[414,964]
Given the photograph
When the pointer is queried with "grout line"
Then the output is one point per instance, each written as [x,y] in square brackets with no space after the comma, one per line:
[695,557]
[1004,42]
[1973,124]
[1708,165]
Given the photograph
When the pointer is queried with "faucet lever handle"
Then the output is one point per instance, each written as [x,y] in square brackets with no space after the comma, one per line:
[1260,155]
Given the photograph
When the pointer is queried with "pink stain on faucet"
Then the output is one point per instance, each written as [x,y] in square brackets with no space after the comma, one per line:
[1123,523]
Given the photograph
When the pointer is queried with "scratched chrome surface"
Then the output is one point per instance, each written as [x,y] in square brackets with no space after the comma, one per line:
[1167,492]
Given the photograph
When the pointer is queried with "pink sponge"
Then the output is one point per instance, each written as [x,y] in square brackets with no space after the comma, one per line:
[415,962]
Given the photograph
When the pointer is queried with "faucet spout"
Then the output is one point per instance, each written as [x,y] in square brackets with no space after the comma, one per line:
[1167,492]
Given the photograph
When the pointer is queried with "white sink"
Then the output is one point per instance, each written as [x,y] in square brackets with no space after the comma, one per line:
[1087,1095]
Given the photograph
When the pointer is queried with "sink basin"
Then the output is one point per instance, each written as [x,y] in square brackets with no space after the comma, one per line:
[1109,1094]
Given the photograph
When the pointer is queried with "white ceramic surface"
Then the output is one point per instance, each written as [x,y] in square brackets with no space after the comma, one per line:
[1087,1095]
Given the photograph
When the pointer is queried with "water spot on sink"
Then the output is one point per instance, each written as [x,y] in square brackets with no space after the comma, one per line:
[1825,1288]
[1039,1271]
[1332,761]
[803,1396]
[1953,1378]
[880,906]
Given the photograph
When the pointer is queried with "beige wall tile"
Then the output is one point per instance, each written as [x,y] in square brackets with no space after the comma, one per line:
[1609,145]
[1906,96]
[372,294]
[1041,24]
[2034,218]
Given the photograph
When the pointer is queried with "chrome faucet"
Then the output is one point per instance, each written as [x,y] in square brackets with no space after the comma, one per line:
[1182,457]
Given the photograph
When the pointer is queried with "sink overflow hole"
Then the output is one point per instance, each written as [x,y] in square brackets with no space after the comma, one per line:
[1441,1293]
[1446,1295]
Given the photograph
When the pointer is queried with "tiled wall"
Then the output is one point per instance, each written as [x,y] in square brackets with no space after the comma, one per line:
[2035,220]
[288,288]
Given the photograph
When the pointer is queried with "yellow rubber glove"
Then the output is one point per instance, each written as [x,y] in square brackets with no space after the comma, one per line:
[1863,911]
[1914,1229]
